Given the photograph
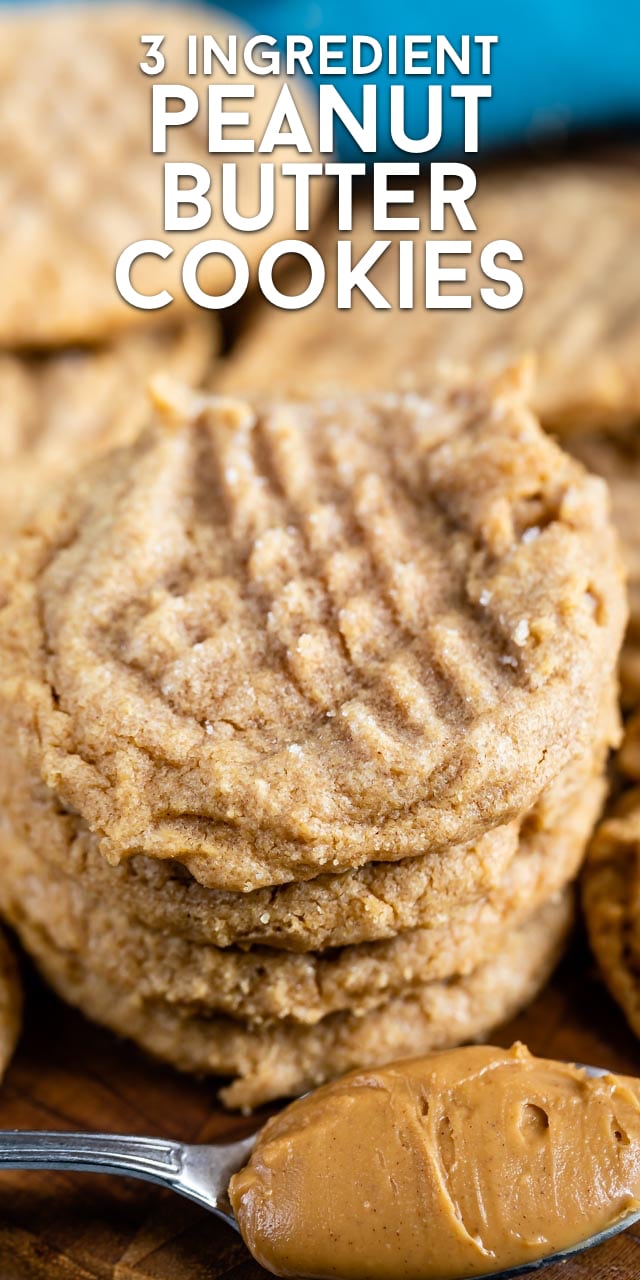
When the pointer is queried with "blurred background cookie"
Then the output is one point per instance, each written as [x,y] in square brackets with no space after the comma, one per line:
[614,454]
[79,181]
[58,407]
[611,884]
[576,225]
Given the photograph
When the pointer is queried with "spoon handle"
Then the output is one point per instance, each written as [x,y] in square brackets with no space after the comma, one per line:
[151,1158]
[199,1172]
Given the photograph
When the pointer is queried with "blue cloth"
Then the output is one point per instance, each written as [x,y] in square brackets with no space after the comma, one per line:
[559,65]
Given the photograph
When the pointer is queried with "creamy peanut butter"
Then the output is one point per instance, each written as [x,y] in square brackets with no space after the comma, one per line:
[453,1165]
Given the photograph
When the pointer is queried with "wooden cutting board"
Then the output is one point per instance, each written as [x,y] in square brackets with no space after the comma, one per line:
[71,1075]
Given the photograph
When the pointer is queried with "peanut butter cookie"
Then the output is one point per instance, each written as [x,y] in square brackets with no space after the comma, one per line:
[262,986]
[374,903]
[615,455]
[57,408]
[611,899]
[285,1060]
[611,886]
[578,227]
[80,181]
[274,641]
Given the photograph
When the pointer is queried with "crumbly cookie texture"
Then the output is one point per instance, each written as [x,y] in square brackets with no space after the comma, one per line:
[374,903]
[286,1060]
[60,407]
[262,986]
[578,227]
[10,1004]
[79,179]
[272,641]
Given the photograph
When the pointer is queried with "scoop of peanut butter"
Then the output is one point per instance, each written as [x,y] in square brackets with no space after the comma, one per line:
[453,1165]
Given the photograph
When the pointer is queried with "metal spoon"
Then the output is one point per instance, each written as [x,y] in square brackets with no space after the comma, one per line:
[199,1172]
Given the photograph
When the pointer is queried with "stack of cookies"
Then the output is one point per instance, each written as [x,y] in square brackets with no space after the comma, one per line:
[305,709]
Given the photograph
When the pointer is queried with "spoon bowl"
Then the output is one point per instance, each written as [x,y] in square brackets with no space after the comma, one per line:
[201,1172]
[563,1255]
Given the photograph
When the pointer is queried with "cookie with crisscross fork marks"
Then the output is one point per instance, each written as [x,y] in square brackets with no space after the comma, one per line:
[79,181]
[272,641]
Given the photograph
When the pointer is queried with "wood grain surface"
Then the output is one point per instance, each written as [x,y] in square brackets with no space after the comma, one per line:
[69,1074]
